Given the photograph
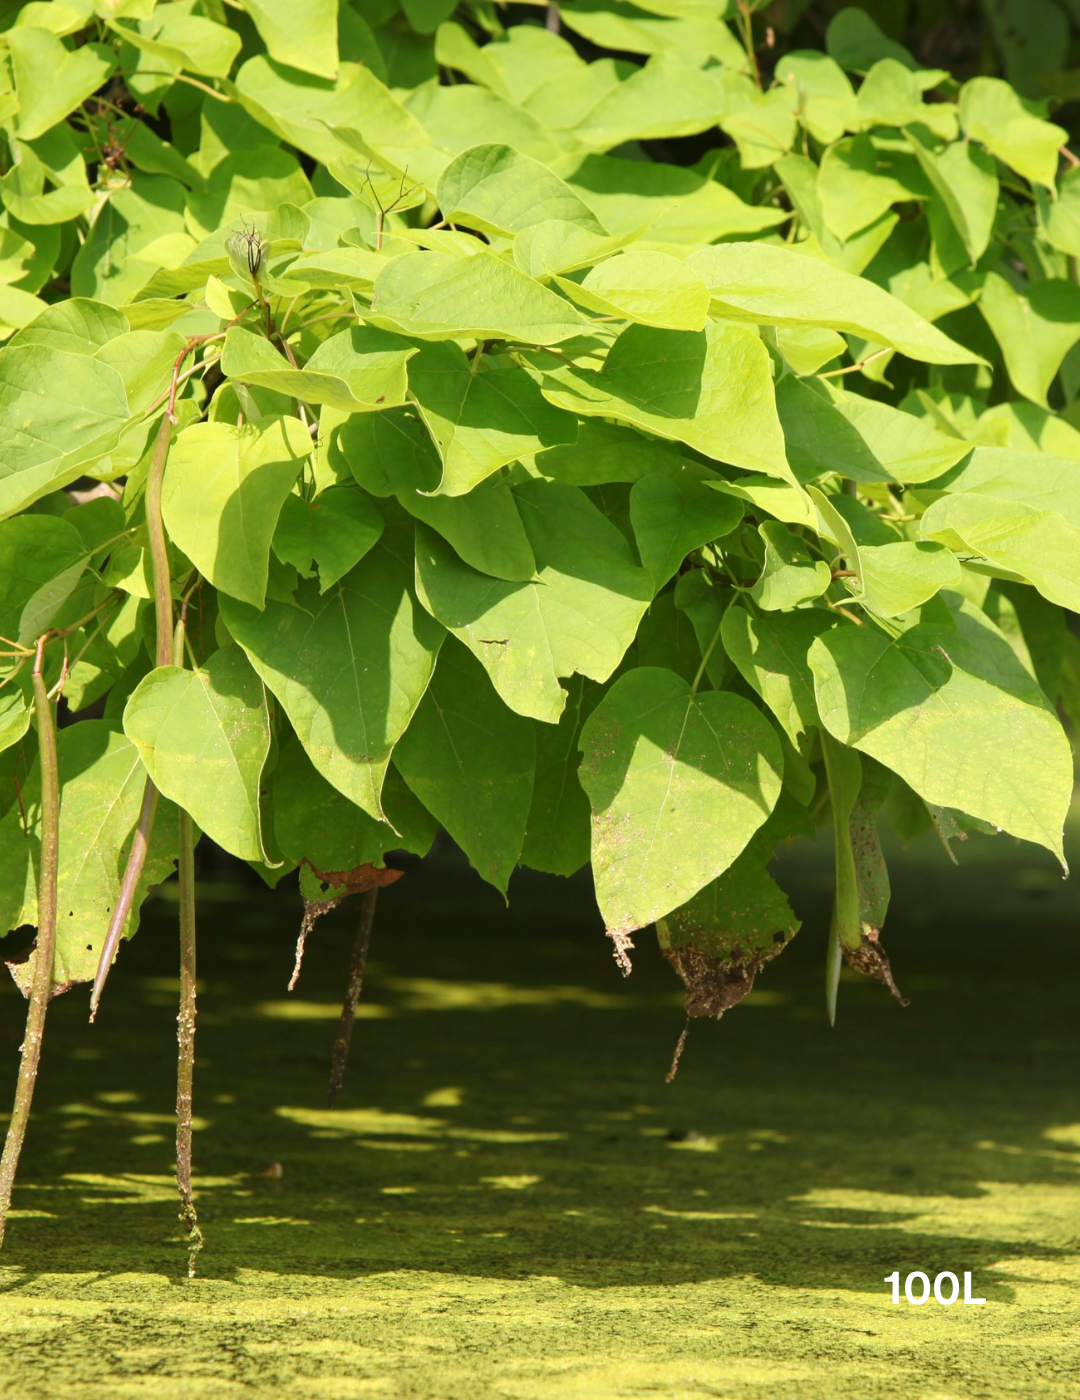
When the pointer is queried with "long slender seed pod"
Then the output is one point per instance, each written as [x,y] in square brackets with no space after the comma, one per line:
[185,1019]
[352,991]
[163,615]
[41,986]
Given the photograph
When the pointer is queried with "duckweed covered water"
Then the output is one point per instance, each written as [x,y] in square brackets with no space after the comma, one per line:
[510,1202]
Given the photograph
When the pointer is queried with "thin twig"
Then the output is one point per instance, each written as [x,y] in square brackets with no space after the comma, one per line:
[352,991]
[176,77]
[185,1035]
[185,1018]
[41,985]
[860,364]
[699,675]
[845,612]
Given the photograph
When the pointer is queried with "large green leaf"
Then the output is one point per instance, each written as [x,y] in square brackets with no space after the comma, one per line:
[605,453]
[966,181]
[904,574]
[667,97]
[827,99]
[471,761]
[42,558]
[991,112]
[349,666]
[579,615]
[653,28]
[482,414]
[223,493]
[325,119]
[770,652]
[314,822]
[333,532]
[180,40]
[392,454]
[781,287]
[1035,329]
[678,784]
[101,788]
[16,711]
[49,437]
[949,707]
[557,831]
[1059,219]
[790,575]
[858,182]
[499,191]
[1038,545]
[649,288]
[265,178]
[50,79]
[307,41]
[204,737]
[710,389]
[675,514]
[892,96]
[109,266]
[437,296]
[1034,479]
[517,62]
[358,370]
[673,204]
[831,430]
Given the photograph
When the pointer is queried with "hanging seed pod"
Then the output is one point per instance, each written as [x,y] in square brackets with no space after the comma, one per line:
[245,248]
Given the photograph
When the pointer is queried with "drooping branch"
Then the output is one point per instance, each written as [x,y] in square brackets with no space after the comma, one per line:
[41,985]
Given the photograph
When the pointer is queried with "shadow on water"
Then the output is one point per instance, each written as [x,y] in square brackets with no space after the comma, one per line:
[505,1114]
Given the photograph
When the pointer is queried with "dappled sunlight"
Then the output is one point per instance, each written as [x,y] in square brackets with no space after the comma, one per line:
[430,994]
[363,1123]
[527,1179]
[313,1011]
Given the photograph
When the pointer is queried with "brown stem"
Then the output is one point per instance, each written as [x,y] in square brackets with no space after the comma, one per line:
[41,986]
[185,1035]
[163,616]
[185,1019]
[352,991]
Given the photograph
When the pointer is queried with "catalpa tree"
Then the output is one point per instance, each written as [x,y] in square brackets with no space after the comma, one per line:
[396,431]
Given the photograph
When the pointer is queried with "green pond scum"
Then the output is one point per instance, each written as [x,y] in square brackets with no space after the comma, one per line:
[509,1201]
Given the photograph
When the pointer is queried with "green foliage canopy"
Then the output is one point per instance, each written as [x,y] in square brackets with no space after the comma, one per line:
[574,436]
